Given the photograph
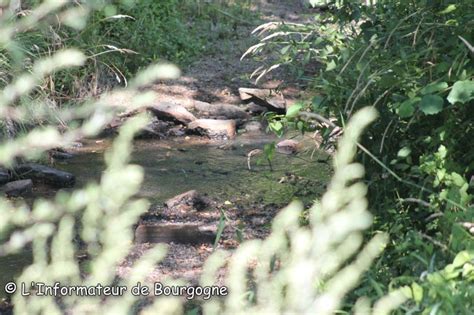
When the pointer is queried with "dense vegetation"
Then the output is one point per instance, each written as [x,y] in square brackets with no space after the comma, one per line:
[118,40]
[412,61]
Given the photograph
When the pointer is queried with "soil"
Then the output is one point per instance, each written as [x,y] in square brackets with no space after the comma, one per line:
[216,77]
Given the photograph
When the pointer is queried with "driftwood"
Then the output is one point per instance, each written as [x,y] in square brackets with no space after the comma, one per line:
[264,98]
[171,112]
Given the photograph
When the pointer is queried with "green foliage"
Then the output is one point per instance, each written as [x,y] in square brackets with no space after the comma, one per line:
[413,62]
[118,38]
[431,104]
[462,92]
[173,30]
[154,30]
[80,237]
[269,150]
[445,291]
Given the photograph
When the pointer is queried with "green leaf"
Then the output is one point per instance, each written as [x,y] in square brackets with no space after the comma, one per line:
[462,92]
[220,228]
[285,49]
[434,87]
[440,174]
[452,22]
[450,272]
[462,258]
[293,111]
[300,126]
[276,126]
[317,102]
[458,179]
[269,150]
[239,232]
[442,152]
[406,290]
[431,104]
[404,152]
[331,65]
[407,108]
[449,8]
[417,292]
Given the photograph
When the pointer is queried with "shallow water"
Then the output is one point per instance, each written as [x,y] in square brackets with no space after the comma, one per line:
[175,166]
[11,266]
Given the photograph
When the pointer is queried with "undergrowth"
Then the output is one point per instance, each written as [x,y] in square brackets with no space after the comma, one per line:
[80,237]
[413,62]
[119,38]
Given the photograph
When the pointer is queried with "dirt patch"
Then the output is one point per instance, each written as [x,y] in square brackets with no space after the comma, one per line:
[217,76]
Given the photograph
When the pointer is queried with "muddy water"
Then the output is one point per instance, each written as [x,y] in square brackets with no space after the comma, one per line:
[10,267]
[218,169]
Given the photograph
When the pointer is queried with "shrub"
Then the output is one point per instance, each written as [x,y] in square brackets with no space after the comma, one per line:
[296,269]
[413,62]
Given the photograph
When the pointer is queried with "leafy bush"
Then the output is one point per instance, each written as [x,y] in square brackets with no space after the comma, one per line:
[296,269]
[413,62]
[446,291]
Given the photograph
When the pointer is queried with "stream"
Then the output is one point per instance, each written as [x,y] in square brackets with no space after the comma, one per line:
[216,169]
[178,165]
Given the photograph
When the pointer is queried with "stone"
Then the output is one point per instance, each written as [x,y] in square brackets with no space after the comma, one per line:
[171,112]
[18,188]
[266,98]
[181,233]
[253,126]
[176,132]
[154,129]
[60,154]
[4,176]
[45,174]
[287,147]
[190,199]
[246,94]
[214,128]
[254,109]
[227,111]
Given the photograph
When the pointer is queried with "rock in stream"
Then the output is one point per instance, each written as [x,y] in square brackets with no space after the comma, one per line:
[226,111]
[172,112]
[4,176]
[181,233]
[45,174]
[18,188]
[214,128]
